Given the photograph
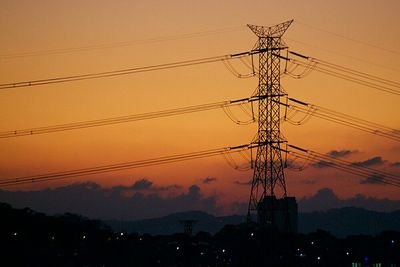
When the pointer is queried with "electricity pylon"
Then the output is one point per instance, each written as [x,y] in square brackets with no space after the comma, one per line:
[268,182]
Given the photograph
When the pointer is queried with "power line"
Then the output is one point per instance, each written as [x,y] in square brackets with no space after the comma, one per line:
[344,55]
[128,118]
[367,170]
[372,176]
[345,76]
[337,117]
[121,44]
[349,38]
[358,73]
[342,70]
[128,71]
[377,176]
[123,166]
[345,73]
[311,64]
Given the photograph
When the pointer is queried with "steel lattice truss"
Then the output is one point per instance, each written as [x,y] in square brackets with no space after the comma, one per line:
[268,178]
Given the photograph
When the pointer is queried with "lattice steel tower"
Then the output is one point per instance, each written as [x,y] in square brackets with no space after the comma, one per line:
[268,184]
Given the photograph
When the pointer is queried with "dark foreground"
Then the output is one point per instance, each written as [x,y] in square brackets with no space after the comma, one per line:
[28,238]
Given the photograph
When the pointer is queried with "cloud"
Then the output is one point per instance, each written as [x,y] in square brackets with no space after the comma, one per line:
[243,183]
[292,164]
[142,184]
[396,164]
[322,164]
[374,179]
[325,199]
[369,162]
[341,153]
[309,181]
[145,185]
[209,180]
[94,201]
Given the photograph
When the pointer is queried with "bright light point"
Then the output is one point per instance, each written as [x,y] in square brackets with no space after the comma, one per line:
[223,251]
[15,233]
[301,254]
[298,249]
[52,238]
[121,234]
[347,253]
[177,248]
[201,253]
[312,242]
[392,241]
[252,234]
[318,258]
[84,237]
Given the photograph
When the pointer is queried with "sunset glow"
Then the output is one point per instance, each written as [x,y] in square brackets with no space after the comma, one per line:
[48,39]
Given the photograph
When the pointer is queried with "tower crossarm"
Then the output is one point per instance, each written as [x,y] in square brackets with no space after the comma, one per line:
[273,31]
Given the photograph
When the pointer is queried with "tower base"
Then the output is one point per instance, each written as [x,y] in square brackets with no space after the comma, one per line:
[280,214]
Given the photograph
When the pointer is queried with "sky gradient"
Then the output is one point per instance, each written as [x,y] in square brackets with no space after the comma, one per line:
[107,35]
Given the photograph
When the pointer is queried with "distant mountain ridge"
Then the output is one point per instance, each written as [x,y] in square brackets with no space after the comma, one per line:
[170,224]
[339,222]
[349,221]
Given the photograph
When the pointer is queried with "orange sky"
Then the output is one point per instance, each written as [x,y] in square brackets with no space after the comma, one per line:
[31,26]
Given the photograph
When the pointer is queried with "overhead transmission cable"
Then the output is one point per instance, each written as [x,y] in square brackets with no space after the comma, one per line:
[225,105]
[121,44]
[311,110]
[348,76]
[125,165]
[128,71]
[348,38]
[341,72]
[344,55]
[236,166]
[357,73]
[322,160]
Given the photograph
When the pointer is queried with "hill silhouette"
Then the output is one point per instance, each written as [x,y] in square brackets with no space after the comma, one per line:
[169,224]
[339,222]
[29,238]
